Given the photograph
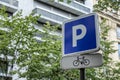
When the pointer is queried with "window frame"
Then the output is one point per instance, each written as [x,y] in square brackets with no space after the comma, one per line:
[119,50]
[80,1]
[118,31]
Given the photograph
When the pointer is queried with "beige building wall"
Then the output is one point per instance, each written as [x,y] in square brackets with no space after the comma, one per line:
[113,20]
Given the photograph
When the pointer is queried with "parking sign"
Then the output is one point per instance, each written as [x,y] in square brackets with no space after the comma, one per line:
[80,35]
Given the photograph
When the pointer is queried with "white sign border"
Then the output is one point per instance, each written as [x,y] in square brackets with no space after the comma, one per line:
[97,35]
[97,55]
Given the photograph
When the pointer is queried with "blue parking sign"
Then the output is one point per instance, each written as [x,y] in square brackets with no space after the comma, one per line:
[81,35]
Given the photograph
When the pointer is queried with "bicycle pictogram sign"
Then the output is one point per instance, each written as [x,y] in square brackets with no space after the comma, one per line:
[81,61]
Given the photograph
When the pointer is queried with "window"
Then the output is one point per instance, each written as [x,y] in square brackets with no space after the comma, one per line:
[3,66]
[5,78]
[9,13]
[81,1]
[118,31]
[4,70]
[119,50]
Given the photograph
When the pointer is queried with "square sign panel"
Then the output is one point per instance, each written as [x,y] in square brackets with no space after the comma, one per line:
[81,35]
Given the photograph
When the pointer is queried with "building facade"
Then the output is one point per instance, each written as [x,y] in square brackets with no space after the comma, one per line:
[113,21]
[55,12]
[11,8]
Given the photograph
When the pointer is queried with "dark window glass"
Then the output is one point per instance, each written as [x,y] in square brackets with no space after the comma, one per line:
[118,31]
[3,66]
[119,50]
[81,1]
[5,78]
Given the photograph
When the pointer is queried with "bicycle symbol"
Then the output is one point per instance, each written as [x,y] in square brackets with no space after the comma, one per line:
[81,61]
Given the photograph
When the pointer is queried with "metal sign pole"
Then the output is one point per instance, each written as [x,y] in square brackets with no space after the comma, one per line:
[82,73]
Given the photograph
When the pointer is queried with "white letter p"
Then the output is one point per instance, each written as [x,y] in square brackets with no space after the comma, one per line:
[80,36]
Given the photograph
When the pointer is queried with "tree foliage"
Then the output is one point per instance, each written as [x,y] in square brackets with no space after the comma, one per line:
[35,59]
[102,4]
[40,60]
[44,63]
[110,69]
[106,4]
[16,34]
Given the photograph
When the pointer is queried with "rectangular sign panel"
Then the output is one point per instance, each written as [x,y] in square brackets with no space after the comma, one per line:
[80,35]
[82,61]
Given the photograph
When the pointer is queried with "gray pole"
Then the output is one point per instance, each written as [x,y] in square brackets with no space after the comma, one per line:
[82,73]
